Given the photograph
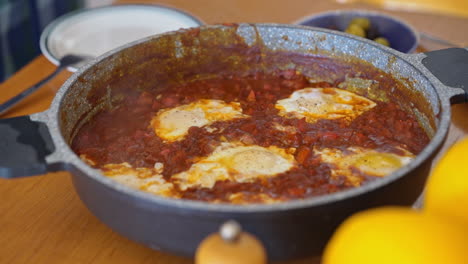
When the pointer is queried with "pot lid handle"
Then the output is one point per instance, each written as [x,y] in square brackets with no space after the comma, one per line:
[230,245]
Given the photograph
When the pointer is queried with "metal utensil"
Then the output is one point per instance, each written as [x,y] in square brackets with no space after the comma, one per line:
[65,61]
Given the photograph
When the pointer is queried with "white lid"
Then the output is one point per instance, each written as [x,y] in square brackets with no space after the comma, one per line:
[92,32]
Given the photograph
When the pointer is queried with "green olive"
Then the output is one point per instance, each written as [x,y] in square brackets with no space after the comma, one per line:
[382,41]
[363,22]
[356,30]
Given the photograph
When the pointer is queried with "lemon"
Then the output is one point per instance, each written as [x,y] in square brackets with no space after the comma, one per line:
[437,234]
[397,235]
[447,187]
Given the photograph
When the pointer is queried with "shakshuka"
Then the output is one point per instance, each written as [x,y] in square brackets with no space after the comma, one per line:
[261,138]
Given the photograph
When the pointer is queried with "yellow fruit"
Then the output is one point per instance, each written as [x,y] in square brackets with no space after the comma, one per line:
[397,235]
[447,187]
[245,250]
[438,234]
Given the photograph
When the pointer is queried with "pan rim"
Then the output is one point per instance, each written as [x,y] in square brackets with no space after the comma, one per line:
[68,156]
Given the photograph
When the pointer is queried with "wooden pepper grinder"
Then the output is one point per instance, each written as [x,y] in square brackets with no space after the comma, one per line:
[230,246]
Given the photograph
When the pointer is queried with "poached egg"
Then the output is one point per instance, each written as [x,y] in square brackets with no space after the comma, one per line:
[323,103]
[172,124]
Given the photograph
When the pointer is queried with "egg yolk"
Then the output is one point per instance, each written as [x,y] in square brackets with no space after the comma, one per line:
[367,161]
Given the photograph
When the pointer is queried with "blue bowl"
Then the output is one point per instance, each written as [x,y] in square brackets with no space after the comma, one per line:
[401,35]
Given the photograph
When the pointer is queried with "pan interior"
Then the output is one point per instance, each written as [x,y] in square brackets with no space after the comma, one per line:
[206,52]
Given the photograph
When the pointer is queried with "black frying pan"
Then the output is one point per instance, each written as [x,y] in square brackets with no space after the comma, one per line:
[39,143]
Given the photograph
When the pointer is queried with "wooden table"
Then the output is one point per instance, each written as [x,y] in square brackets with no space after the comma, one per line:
[43,221]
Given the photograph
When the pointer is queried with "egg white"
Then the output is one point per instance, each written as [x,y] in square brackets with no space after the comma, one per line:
[323,103]
[145,179]
[172,124]
[367,161]
[236,162]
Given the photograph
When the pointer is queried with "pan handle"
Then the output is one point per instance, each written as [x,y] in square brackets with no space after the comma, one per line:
[450,66]
[24,145]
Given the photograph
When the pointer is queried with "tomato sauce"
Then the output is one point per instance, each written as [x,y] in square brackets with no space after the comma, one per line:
[123,134]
